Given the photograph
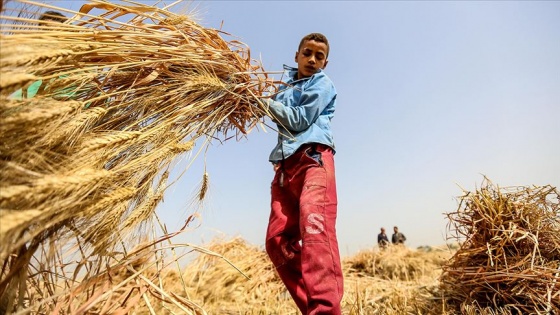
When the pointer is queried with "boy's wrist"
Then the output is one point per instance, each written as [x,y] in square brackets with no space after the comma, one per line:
[264,103]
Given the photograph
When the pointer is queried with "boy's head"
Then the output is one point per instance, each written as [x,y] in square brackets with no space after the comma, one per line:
[52,16]
[312,54]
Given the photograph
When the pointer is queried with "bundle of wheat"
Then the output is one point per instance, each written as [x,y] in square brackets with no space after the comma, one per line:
[510,257]
[125,89]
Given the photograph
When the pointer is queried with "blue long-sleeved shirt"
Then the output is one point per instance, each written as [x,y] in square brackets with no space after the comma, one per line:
[303,110]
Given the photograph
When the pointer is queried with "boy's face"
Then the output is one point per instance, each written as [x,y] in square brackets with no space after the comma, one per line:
[311,57]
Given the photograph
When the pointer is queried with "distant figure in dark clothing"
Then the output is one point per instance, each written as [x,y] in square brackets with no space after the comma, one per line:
[53,16]
[382,239]
[398,237]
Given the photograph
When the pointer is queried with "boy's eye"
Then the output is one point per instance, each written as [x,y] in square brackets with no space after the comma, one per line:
[317,56]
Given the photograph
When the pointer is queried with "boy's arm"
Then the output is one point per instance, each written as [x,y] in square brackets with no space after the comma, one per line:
[313,101]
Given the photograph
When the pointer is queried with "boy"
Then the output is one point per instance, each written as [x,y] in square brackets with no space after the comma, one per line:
[301,237]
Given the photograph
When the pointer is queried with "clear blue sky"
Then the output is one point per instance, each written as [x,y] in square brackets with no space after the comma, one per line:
[432,95]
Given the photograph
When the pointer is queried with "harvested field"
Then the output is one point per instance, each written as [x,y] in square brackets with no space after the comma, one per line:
[505,259]
[394,281]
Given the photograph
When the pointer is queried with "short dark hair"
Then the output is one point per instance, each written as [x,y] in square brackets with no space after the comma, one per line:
[318,37]
[53,16]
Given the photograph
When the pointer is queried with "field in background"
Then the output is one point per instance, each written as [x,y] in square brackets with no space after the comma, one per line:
[398,280]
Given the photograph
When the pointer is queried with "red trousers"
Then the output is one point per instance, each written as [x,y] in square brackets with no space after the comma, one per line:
[304,206]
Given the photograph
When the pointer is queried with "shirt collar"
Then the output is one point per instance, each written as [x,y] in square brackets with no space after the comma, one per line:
[291,72]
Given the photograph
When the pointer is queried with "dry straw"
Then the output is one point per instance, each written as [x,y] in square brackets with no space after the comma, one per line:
[510,256]
[126,88]
[371,284]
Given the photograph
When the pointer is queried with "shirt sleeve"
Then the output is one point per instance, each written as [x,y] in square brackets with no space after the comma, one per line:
[29,93]
[34,88]
[315,97]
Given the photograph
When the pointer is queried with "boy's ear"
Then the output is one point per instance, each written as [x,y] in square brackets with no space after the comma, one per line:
[295,57]
[325,65]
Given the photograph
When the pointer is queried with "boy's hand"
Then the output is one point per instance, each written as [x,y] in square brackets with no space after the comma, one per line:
[264,103]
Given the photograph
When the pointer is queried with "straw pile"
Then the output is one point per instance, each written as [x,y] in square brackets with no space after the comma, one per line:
[243,283]
[395,281]
[399,263]
[126,90]
[510,257]
[246,283]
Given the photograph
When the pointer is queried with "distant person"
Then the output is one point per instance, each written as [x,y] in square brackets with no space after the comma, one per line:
[382,239]
[51,16]
[398,237]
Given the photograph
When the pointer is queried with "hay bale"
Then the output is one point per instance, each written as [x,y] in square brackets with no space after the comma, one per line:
[510,254]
